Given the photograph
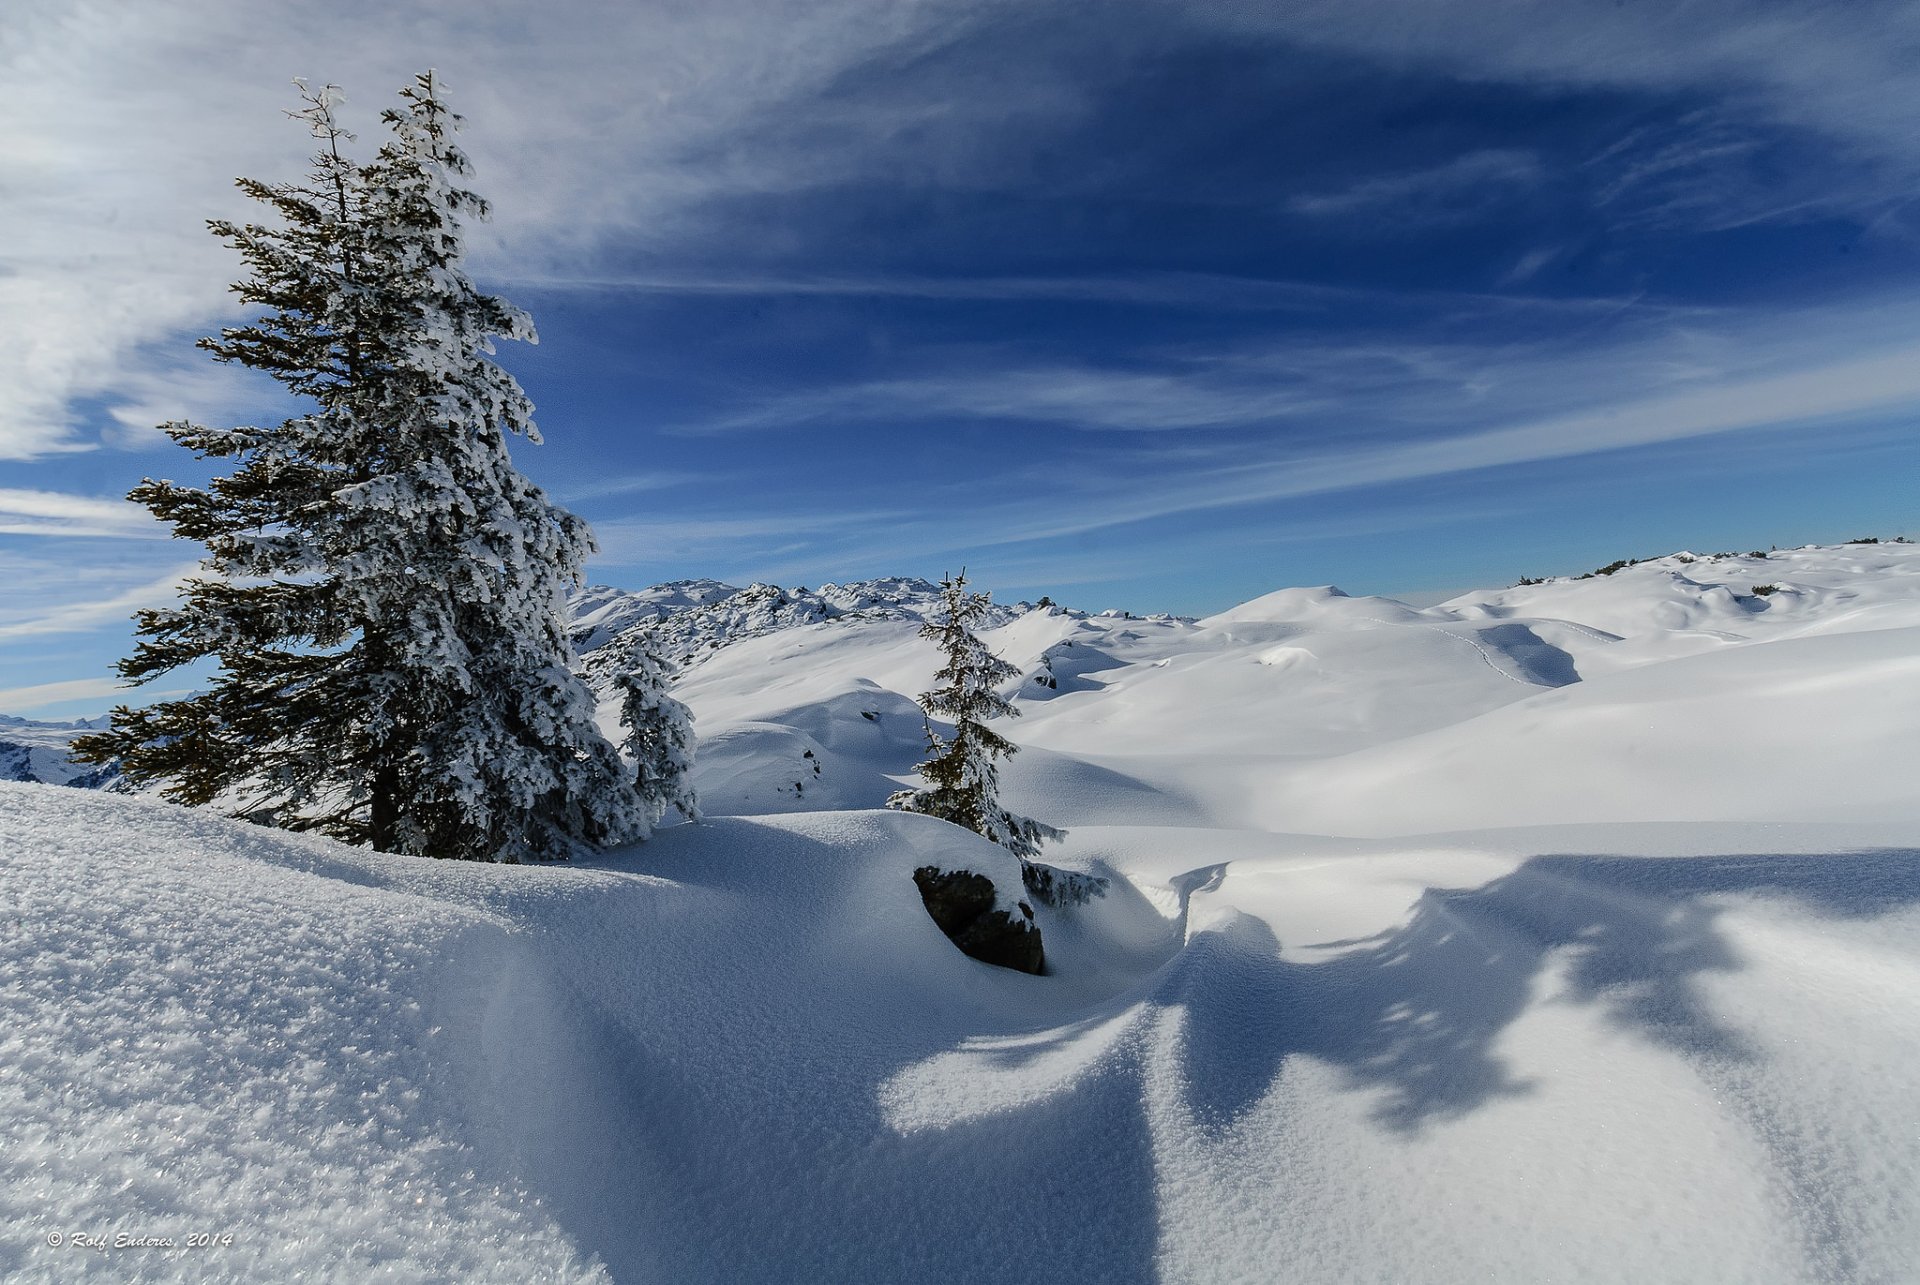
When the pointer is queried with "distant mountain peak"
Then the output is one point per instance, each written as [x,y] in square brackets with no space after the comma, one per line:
[685,621]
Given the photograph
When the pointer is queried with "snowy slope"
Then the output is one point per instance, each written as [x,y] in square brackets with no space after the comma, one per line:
[1249,717]
[741,1052]
[1565,932]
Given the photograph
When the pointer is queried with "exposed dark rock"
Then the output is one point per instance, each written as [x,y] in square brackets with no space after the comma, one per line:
[963,905]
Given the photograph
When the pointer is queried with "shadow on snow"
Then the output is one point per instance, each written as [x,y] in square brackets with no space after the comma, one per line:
[1415,1011]
[789,1170]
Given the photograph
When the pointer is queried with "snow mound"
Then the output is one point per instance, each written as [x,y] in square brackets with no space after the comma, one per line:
[1815,728]
[1319,605]
[212,1028]
[742,1052]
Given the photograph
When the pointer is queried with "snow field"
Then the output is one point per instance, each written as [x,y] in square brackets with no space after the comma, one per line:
[1563,933]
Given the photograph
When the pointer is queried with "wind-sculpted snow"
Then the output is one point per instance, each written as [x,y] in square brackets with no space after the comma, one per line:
[1646,1007]
[741,1052]
[199,1037]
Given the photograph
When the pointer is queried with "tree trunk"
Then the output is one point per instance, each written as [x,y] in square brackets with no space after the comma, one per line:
[383,821]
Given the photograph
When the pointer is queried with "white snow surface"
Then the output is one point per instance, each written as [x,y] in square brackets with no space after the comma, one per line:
[1561,933]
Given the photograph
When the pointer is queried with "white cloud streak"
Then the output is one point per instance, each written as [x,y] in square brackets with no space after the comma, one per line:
[25,700]
[1147,289]
[55,513]
[1458,189]
[598,122]
[1435,378]
[1222,432]
[1845,72]
[632,541]
[592,119]
[23,620]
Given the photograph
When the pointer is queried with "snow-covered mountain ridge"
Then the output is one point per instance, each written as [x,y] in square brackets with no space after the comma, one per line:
[687,620]
[35,751]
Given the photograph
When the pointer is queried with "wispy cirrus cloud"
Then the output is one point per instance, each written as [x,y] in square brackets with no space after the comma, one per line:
[640,127]
[1845,73]
[634,541]
[38,696]
[26,619]
[1074,396]
[1458,189]
[54,513]
[628,484]
[1260,423]
[1146,289]
[594,120]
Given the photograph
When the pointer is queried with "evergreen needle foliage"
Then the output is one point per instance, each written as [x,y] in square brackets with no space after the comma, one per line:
[383,591]
[659,736]
[963,781]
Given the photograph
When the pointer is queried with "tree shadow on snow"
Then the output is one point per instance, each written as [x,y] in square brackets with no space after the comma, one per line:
[1415,1012]
[688,1150]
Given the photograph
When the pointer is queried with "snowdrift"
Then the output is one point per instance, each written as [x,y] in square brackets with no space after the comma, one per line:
[741,1052]
[1565,932]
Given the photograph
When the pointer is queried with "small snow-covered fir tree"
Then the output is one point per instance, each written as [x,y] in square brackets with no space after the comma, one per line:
[384,592]
[963,780]
[659,736]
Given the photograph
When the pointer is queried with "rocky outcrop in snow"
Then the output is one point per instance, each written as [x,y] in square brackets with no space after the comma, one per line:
[975,917]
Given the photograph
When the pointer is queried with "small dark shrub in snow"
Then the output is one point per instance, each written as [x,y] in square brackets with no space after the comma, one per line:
[1764,590]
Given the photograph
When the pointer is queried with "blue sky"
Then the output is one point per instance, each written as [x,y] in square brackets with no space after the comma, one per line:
[1138,304]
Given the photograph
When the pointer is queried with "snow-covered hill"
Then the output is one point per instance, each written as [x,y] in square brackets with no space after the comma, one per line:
[1563,932]
[1668,690]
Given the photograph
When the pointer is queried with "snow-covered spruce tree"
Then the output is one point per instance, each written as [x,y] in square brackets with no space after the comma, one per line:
[383,591]
[963,781]
[659,736]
